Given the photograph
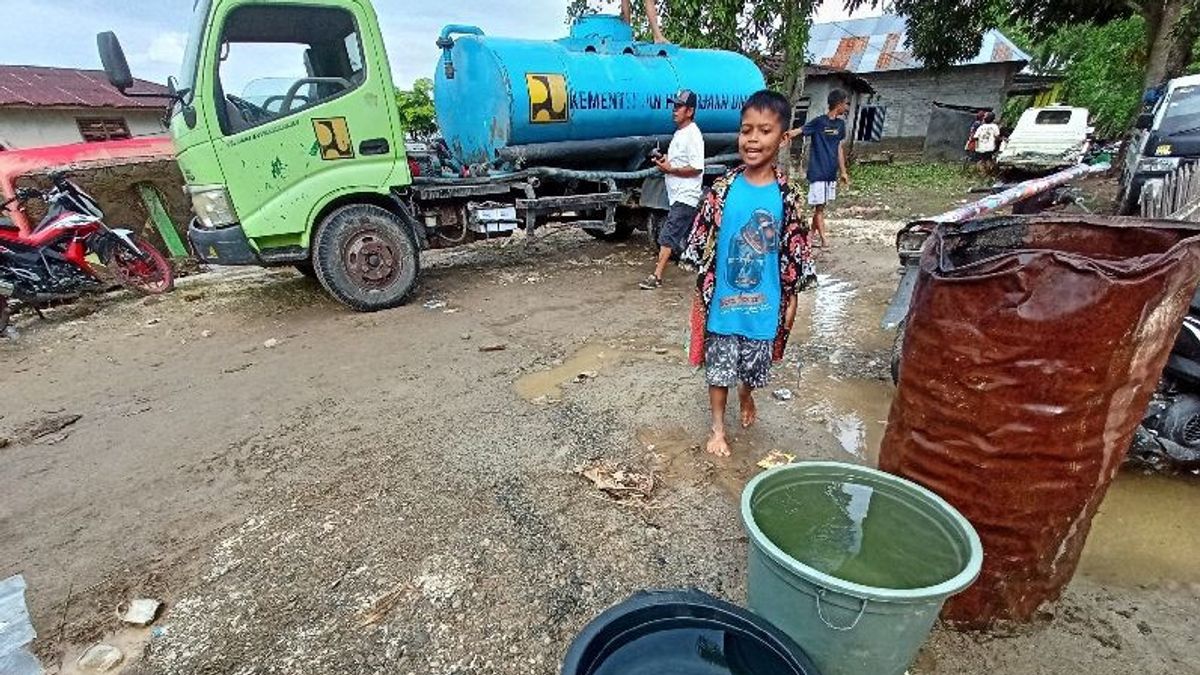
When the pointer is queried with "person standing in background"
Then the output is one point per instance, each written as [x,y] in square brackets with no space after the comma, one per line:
[987,138]
[826,158]
[651,16]
[683,169]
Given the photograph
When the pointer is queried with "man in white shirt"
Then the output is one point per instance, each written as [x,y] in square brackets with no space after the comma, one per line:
[684,169]
[987,136]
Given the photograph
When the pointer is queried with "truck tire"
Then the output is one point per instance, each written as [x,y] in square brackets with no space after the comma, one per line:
[897,352]
[306,268]
[622,230]
[366,257]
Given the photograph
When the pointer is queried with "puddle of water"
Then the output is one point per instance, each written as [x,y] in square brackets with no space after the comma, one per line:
[854,411]
[591,359]
[1145,532]
[679,454]
[831,308]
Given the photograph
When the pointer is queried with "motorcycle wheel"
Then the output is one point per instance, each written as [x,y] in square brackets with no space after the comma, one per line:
[151,273]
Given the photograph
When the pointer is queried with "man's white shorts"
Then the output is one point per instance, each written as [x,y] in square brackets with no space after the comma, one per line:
[822,192]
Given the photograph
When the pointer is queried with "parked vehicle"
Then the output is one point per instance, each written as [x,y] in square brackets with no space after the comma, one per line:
[1165,137]
[1046,139]
[51,262]
[1169,436]
[314,172]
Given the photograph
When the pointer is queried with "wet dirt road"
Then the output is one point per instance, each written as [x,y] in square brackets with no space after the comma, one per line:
[311,490]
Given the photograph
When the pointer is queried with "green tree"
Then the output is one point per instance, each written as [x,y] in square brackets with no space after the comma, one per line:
[942,32]
[416,109]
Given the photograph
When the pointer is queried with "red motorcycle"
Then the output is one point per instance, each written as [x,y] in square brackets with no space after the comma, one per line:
[50,263]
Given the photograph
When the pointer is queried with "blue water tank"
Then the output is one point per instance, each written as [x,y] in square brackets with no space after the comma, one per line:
[598,83]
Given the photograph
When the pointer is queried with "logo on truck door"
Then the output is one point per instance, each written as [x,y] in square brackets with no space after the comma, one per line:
[547,98]
[333,138]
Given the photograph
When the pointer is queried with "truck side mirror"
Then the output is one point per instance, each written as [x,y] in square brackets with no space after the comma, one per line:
[113,58]
[1145,121]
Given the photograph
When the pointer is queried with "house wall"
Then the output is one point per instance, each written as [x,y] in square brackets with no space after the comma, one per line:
[909,94]
[35,127]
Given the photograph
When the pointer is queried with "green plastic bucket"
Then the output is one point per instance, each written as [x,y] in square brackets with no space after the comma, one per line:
[852,563]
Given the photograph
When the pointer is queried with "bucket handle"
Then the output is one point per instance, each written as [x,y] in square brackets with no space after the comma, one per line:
[861,610]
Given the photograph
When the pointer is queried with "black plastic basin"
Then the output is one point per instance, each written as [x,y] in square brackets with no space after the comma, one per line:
[682,633]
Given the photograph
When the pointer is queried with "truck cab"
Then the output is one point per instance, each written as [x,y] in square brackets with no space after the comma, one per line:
[266,158]
[1166,136]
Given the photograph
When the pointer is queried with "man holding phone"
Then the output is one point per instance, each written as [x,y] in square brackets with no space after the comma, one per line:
[683,167]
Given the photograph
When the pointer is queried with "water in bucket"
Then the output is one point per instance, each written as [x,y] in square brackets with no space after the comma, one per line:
[692,651]
[859,534]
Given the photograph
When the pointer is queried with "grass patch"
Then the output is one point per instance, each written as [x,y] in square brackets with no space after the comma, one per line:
[908,190]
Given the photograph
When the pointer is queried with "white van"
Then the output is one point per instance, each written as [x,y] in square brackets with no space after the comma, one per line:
[1165,137]
[1047,138]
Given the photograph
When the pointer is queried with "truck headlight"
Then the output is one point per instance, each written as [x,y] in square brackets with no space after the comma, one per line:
[212,206]
[1159,164]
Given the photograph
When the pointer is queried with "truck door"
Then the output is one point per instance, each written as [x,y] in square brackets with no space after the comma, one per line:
[305,107]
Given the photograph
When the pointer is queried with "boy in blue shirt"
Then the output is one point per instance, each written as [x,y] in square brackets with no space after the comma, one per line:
[826,158]
[750,247]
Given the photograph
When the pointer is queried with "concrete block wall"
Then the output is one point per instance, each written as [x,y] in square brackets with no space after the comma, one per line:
[909,94]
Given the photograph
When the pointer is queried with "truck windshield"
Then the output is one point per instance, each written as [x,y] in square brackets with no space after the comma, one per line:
[1183,112]
[191,54]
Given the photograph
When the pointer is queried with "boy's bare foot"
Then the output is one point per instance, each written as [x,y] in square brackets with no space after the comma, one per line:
[749,409]
[717,445]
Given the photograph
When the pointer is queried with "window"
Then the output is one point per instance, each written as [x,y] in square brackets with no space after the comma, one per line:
[800,112]
[870,123]
[103,129]
[279,60]
[1053,117]
[1183,112]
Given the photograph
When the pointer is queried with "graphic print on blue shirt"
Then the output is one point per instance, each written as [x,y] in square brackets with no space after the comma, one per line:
[747,293]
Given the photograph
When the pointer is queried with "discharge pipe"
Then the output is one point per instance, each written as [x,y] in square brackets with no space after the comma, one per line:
[1018,192]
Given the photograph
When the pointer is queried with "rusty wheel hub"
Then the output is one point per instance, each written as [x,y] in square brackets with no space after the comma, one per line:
[370,260]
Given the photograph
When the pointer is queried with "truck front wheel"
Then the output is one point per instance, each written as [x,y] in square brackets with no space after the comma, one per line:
[366,257]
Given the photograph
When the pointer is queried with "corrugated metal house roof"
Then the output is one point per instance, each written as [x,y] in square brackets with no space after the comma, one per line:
[876,44]
[44,87]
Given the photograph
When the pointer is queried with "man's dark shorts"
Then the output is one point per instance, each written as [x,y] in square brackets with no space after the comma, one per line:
[677,227]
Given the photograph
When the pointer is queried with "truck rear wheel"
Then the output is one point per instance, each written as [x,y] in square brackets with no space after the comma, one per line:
[366,257]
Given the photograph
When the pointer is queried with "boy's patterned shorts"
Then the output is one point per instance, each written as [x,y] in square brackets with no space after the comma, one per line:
[729,359]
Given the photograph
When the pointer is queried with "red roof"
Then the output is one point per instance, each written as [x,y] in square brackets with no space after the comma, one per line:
[40,86]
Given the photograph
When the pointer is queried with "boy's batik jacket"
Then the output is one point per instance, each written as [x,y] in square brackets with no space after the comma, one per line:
[796,271]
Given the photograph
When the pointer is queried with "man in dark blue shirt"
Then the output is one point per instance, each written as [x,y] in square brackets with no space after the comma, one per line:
[826,158]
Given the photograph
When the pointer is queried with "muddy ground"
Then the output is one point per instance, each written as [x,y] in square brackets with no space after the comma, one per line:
[314,491]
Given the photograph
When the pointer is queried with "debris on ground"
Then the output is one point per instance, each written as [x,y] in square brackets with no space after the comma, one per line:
[206,333]
[585,376]
[619,482]
[661,350]
[383,605]
[465,336]
[192,297]
[784,394]
[493,348]
[434,304]
[139,612]
[16,629]
[44,426]
[151,322]
[100,658]
[271,343]
[776,458]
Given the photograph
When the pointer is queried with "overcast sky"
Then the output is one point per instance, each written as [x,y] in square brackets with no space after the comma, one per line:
[153,32]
